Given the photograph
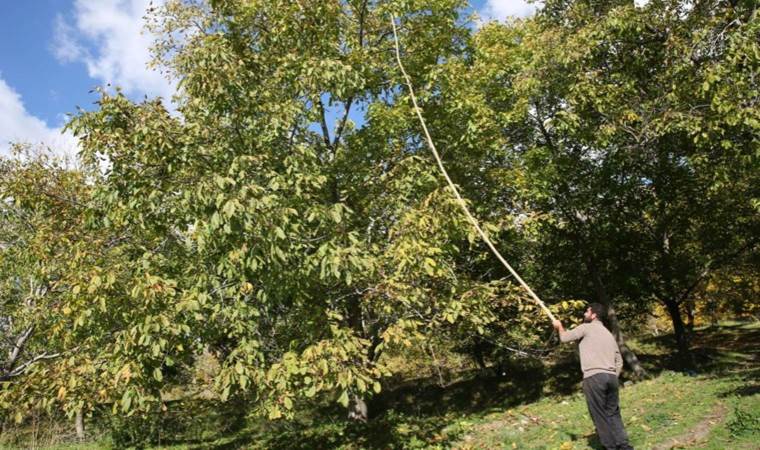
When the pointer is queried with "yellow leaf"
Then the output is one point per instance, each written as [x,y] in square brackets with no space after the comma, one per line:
[275,413]
[125,373]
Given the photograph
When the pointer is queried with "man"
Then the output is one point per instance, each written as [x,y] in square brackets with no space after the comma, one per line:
[601,364]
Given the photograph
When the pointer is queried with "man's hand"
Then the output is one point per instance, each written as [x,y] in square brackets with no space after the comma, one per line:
[558,325]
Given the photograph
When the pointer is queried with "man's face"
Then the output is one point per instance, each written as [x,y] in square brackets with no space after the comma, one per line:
[589,315]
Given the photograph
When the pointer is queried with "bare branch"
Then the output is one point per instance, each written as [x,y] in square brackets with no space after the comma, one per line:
[18,347]
[22,368]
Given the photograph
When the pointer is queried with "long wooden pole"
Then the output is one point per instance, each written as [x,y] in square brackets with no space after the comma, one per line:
[453,187]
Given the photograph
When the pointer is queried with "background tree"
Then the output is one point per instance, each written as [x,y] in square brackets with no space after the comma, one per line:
[44,256]
[90,326]
[621,137]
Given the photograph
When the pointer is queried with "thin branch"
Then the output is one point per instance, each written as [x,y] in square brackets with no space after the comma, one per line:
[22,368]
[323,123]
[342,123]
[18,347]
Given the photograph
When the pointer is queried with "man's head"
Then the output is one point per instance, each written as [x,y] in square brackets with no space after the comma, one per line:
[594,311]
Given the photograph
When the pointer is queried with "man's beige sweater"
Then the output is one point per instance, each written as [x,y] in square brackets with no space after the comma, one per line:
[598,349]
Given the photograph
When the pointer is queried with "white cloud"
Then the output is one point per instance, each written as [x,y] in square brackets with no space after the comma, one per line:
[501,9]
[18,125]
[65,47]
[108,36]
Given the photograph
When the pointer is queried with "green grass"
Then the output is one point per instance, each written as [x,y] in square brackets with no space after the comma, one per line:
[534,406]
[653,411]
[735,433]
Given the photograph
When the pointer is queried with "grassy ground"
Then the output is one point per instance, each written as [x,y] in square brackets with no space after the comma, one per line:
[533,405]
[717,408]
[669,409]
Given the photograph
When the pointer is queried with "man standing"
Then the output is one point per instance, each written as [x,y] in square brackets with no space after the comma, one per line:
[601,364]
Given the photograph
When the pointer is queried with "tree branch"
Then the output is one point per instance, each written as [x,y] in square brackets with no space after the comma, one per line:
[342,123]
[22,368]
[323,123]
[18,347]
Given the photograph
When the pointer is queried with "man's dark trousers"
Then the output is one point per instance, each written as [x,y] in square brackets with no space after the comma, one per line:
[601,392]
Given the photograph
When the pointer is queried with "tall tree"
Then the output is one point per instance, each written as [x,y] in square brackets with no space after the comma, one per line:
[304,245]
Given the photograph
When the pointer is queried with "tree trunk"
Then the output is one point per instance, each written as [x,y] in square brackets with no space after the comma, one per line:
[630,358]
[357,409]
[79,424]
[477,353]
[679,330]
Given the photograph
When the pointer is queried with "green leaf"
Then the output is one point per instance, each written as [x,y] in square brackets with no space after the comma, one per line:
[343,399]
[126,401]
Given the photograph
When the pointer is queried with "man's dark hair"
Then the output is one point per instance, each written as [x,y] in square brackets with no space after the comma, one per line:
[599,309]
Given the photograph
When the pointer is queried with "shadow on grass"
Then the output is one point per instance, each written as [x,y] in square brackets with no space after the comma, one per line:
[715,350]
[743,391]
[415,414]
[593,442]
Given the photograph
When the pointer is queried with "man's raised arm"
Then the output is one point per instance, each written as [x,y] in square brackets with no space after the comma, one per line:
[572,335]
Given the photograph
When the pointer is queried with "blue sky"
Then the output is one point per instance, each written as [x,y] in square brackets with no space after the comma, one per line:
[53,52]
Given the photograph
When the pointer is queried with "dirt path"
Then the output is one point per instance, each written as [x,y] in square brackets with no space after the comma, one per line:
[697,433]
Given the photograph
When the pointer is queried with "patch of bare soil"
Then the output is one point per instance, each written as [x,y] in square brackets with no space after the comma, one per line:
[697,433]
